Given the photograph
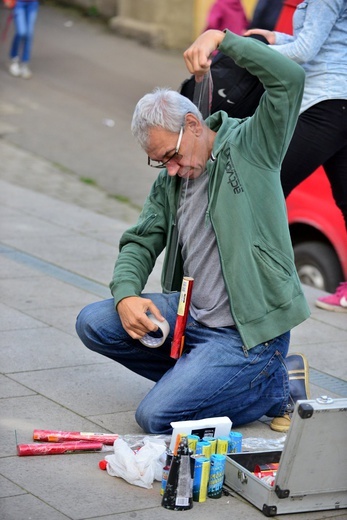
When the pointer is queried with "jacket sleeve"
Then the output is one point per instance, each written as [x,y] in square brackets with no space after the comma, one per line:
[267,134]
[319,18]
[141,244]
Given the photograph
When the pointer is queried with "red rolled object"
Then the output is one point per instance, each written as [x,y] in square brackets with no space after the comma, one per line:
[48,448]
[62,436]
[182,315]
[265,470]
[273,466]
[263,474]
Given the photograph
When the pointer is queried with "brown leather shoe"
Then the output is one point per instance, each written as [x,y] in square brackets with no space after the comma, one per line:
[280,424]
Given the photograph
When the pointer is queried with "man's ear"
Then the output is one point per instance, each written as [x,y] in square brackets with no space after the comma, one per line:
[193,124]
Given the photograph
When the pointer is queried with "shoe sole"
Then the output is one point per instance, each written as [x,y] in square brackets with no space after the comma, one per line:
[301,374]
[14,73]
[283,429]
[329,307]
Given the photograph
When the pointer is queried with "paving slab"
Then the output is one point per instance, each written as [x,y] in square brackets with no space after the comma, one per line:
[89,389]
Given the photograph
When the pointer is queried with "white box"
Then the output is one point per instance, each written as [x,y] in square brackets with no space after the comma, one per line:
[210,427]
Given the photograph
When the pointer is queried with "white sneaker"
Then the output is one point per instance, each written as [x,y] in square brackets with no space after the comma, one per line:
[14,68]
[25,72]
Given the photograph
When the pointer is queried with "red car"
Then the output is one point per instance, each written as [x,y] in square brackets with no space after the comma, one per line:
[316,224]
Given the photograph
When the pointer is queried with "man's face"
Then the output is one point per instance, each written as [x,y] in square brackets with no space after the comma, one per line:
[177,152]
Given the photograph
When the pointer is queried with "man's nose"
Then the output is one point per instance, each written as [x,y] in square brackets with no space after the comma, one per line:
[172,168]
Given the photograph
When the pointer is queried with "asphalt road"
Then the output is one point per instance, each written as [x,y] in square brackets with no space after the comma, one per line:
[77,108]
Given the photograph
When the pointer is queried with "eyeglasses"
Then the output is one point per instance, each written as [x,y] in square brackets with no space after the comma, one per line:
[158,164]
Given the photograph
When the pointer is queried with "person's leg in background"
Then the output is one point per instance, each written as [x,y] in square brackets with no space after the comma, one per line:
[320,138]
[30,15]
[24,15]
[19,27]
[336,170]
[336,166]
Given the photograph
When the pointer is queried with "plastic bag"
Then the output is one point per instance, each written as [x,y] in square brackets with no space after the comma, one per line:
[136,441]
[140,468]
[259,444]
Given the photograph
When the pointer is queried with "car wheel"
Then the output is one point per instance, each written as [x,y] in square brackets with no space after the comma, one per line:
[318,265]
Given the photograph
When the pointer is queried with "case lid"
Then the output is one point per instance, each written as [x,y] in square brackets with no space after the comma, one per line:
[314,457]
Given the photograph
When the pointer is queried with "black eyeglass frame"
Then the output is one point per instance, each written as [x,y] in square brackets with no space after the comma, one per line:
[164,163]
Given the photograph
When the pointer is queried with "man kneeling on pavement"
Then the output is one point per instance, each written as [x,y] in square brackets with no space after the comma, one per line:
[218,210]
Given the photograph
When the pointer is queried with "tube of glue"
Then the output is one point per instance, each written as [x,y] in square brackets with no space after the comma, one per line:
[62,436]
[182,315]
[48,448]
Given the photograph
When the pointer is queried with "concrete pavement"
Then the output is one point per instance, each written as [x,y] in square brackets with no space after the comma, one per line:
[58,243]
[76,110]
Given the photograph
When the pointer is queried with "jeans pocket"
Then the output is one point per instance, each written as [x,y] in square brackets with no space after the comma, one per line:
[267,368]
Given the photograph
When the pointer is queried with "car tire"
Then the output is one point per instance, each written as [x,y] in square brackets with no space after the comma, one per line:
[318,265]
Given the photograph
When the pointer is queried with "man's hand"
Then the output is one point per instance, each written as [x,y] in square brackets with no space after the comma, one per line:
[132,312]
[197,56]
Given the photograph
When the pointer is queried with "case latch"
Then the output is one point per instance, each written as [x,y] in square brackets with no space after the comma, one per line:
[242,477]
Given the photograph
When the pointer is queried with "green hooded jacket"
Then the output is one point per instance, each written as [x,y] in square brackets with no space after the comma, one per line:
[246,207]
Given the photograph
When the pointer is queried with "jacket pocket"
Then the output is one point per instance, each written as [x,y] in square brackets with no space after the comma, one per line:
[273,284]
[274,259]
[145,225]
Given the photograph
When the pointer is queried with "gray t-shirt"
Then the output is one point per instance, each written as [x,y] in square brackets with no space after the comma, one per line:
[210,302]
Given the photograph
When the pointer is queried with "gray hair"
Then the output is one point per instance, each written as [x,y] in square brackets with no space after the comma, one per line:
[163,108]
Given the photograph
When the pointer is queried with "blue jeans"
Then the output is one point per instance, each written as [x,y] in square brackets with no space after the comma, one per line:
[25,14]
[214,377]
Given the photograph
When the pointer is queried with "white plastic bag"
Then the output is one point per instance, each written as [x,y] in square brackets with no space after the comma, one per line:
[140,468]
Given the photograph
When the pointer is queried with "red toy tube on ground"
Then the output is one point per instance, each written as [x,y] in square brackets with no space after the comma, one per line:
[182,315]
[62,436]
[47,448]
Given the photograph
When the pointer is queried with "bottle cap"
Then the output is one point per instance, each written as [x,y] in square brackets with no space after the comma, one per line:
[103,464]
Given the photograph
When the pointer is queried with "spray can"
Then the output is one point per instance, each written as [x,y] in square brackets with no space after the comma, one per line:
[203,448]
[215,483]
[192,442]
[213,442]
[178,493]
[222,445]
[235,442]
[201,477]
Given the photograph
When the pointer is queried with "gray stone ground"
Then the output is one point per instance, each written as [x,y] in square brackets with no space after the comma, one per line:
[45,177]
